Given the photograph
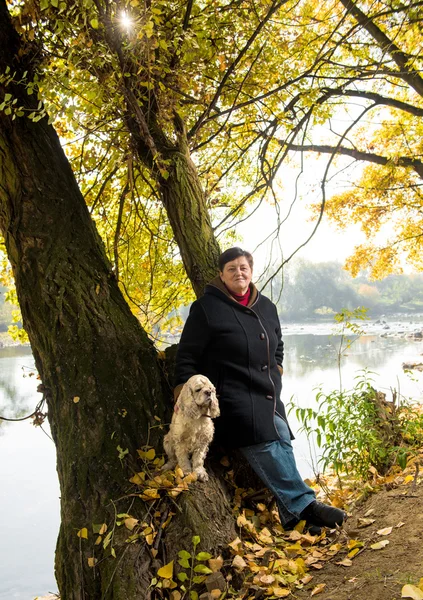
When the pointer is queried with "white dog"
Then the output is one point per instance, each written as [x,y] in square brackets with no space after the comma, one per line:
[192,428]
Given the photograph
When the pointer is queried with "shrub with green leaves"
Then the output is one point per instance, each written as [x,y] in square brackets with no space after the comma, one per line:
[356,430]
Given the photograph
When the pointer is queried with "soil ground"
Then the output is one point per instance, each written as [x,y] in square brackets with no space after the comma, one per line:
[377,574]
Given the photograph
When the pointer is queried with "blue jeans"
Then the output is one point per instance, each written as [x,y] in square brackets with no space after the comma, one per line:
[274,463]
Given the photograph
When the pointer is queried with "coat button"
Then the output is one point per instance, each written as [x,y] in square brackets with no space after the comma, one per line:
[262,336]
[269,397]
[264,367]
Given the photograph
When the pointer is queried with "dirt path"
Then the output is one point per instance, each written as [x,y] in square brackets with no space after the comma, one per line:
[376,574]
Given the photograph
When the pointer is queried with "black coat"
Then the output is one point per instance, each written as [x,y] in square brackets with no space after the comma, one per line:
[240,349]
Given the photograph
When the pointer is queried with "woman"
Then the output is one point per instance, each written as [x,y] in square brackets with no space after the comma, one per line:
[233,336]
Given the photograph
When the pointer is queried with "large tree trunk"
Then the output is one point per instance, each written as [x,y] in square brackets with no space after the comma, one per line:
[99,371]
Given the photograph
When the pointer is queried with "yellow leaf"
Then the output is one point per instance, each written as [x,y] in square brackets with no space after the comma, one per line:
[215,594]
[150,494]
[83,533]
[411,591]
[149,539]
[280,592]
[354,544]
[138,478]
[353,552]
[179,472]
[318,589]
[421,584]
[103,529]
[92,561]
[98,540]
[166,572]
[76,399]
[130,523]
[409,478]
[236,545]
[379,545]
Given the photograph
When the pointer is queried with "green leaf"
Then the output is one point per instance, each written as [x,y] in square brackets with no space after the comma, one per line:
[184,554]
[7,97]
[193,596]
[203,556]
[94,23]
[202,569]
[195,540]
[182,576]
[184,563]
[107,539]
[199,579]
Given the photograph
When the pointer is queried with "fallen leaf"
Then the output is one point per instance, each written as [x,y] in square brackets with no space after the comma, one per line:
[236,545]
[365,522]
[216,564]
[369,512]
[175,595]
[91,561]
[319,588]
[238,562]
[267,579]
[385,531]
[354,544]
[166,571]
[400,524]
[130,523]
[280,592]
[216,593]
[103,529]
[353,552]
[409,478]
[412,591]
[317,566]
[345,563]
[379,545]
[76,399]
[306,579]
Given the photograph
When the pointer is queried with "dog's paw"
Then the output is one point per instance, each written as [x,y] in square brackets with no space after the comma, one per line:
[169,466]
[201,474]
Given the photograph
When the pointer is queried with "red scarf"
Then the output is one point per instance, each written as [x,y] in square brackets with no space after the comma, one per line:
[242,299]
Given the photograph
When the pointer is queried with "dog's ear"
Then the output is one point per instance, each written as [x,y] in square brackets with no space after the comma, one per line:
[214,407]
[186,401]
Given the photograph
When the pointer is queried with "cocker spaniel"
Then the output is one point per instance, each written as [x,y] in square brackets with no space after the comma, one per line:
[191,430]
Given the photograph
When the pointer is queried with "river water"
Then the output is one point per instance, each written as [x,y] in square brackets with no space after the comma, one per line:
[29,491]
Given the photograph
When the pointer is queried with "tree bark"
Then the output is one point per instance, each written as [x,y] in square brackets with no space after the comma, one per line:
[99,371]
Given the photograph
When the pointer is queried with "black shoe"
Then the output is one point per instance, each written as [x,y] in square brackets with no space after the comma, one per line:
[323,515]
[309,527]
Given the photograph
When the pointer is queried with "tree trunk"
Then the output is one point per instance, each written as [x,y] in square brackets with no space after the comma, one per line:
[99,371]
[184,201]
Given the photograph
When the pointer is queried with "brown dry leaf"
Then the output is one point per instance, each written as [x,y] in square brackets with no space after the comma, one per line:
[317,565]
[238,562]
[295,535]
[267,579]
[345,563]
[379,545]
[385,531]
[130,523]
[412,591]
[318,589]
[103,529]
[216,593]
[215,564]
[400,524]
[225,461]
[154,552]
[365,522]
[265,537]
[306,579]
[369,512]
[236,545]
[190,478]
[175,595]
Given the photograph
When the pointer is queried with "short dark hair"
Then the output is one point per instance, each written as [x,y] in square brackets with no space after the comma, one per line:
[232,254]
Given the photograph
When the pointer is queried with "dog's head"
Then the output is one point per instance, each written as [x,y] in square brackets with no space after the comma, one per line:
[198,398]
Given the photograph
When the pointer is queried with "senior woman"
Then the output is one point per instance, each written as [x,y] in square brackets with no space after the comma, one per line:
[233,336]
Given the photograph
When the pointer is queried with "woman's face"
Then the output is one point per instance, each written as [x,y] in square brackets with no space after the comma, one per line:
[236,275]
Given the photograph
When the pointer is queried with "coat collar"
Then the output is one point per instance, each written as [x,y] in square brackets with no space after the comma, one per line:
[217,284]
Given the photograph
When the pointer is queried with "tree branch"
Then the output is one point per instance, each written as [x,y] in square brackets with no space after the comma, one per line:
[402,60]
[402,161]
